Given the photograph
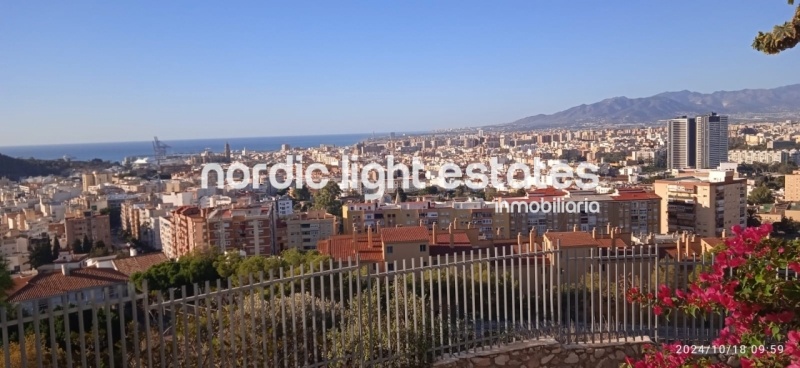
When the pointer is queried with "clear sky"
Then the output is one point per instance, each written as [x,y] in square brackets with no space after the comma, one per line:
[97,71]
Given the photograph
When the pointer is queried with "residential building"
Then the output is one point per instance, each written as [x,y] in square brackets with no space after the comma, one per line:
[285,206]
[305,230]
[712,141]
[73,286]
[247,229]
[682,149]
[189,231]
[703,203]
[93,226]
[792,187]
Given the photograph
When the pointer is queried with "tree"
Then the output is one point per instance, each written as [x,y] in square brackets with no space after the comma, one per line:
[302,194]
[782,37]
[56,248]
[327,199]
[433,190]
[40,252]
[86,247]
[753,219]
[99,249]
[761,195]
[5,279]
[77,246]
[402,194]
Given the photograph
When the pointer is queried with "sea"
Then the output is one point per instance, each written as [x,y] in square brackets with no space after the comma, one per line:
[118,151]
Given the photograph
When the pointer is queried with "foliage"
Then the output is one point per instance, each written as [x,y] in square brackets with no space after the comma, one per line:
[100,249]
[786,226]
[20,356]
[753,220]
[760,168]
[195,267]
[782,37]
[302,194]
[40,252]
[761,195]
[401,194]
[327,199]
[5,278]
[432,190]
[368,332]
[56,248]
[747,284]
[247,330]
[208,265]
[86,245]
[612,157]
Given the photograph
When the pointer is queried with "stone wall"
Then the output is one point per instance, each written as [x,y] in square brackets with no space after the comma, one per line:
[549,353]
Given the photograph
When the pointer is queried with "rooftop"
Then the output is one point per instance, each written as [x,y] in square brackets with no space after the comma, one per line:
[46,285]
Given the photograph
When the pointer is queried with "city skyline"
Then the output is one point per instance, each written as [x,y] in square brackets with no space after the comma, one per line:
[98,72]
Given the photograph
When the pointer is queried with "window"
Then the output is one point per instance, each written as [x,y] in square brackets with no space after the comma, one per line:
[389,249]
[422,247]
[390,266]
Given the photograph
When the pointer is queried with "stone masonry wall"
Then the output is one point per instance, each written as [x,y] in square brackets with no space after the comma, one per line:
[549,353]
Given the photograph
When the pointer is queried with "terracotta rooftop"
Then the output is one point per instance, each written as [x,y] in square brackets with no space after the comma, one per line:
[340,247]
[404,234]
[131,265]
[572,238]
[458,238]
[638,195]
[46,285]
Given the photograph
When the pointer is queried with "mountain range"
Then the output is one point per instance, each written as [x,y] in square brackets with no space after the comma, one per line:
[623,110]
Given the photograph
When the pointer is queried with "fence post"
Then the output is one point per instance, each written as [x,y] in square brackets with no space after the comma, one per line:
[558,282]
[656,262]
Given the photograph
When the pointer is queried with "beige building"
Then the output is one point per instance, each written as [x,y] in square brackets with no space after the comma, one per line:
[703,203]
[632,210]
[304,230]
[94,178]
[792,189]
[95,227]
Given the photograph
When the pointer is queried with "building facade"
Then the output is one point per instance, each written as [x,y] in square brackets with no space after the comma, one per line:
[705,204]
[305,230]
[95,227]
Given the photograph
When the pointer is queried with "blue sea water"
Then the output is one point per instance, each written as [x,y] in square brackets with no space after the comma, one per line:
[118,151]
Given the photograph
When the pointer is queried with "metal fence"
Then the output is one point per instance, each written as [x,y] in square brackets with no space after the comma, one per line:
[343,314]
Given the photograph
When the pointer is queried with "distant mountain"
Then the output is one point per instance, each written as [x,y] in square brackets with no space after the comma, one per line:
[669,104]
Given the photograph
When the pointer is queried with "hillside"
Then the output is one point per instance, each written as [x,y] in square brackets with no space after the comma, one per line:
[669,104]
[15,168]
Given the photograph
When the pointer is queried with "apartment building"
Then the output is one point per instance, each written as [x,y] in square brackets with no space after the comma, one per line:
[700,142]
[792,187]
[305,230]
[166,236]
[392,248]
[712,140]
[632,210]
[95,227]
[749,157]
[248,229]
[189,231]
[682,149]
[479,214]
[702,203]
[94,178]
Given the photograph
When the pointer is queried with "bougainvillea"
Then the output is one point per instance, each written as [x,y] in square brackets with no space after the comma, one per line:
[753,284]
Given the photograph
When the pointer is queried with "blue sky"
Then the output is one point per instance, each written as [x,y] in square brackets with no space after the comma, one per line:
[96,71]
